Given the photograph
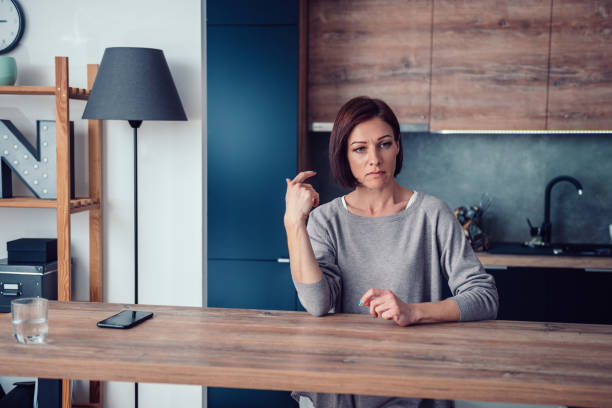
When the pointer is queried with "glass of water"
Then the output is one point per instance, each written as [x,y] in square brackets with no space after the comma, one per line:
[30,320]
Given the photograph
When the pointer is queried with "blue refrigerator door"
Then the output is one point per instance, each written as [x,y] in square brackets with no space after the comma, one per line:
[252,138]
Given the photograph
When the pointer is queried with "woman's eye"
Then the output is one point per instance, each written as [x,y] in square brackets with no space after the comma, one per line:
[385,145]
[359,149]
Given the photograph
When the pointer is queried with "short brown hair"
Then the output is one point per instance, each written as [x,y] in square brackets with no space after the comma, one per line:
[351,114]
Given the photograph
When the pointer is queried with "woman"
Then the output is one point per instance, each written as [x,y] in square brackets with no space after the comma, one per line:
[382,249]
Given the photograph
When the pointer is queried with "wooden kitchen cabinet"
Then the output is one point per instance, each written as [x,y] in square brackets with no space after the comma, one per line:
[581,65]
[523,294]
[489,64]
[595,302]
[465,65]
[378,48]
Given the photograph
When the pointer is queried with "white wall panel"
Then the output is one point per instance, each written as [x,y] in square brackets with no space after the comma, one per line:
[170,158]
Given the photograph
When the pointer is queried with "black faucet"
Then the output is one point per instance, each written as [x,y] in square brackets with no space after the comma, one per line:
[546,228]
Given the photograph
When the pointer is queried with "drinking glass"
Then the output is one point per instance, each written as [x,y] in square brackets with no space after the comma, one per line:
[30,320]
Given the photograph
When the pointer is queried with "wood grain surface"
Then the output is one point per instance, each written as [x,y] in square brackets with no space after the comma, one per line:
[545,363]
[76,205]
[580,92]
[27,90]
[95,192]
[95,216]
[62,124]
[378,48]
[490,64]
[545,261]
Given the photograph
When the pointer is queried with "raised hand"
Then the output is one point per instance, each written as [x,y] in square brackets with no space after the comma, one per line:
[300,198]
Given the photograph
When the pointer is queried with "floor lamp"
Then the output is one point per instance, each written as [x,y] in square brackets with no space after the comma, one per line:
[134,84]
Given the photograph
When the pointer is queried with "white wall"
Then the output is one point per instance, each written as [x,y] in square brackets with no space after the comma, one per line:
[170,159]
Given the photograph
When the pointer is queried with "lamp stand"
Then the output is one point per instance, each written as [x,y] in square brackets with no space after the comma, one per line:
[135,124]
[134,82]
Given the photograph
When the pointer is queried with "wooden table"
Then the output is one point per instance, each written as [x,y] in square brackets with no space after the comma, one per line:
[544,363]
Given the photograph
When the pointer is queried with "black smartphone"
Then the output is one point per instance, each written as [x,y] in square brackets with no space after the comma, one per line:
[125,319]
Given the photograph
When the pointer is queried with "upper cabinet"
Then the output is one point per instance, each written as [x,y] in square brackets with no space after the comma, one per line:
[580,93]
[465,64]
[489,65]
[378,48]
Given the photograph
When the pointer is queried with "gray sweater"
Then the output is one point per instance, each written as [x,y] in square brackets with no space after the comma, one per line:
[413,253]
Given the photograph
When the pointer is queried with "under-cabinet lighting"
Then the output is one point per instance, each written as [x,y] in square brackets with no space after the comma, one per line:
[524,132]
[404,127]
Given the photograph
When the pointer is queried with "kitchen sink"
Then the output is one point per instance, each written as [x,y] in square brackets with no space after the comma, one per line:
[518,248]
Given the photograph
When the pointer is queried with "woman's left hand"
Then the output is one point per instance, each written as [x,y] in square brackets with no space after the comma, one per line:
[383,303]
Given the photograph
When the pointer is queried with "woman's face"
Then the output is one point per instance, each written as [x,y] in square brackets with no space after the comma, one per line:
[372,151]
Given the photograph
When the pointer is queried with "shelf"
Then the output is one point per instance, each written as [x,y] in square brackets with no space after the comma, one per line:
[74,93]
[64,206]
[76,205]
[27,90]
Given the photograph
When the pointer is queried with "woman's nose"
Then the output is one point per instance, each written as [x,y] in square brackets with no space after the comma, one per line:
[373,157]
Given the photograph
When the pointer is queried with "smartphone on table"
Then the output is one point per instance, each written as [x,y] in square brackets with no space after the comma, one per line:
[125,319]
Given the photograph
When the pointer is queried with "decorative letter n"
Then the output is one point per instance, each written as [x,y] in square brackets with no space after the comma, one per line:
[36,167]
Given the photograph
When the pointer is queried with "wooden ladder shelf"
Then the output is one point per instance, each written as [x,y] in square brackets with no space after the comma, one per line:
[66,206]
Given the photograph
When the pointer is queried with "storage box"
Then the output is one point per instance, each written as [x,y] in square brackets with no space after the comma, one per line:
[27,250]
[26,280]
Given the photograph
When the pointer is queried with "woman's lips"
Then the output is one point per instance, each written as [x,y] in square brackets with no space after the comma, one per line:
[375,173]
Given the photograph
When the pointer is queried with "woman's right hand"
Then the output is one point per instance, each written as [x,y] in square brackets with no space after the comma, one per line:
[299,199]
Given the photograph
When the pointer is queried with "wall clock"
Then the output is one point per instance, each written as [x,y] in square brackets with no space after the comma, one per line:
[12,24]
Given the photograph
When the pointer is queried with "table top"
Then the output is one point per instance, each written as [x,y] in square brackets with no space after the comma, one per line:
[523,362]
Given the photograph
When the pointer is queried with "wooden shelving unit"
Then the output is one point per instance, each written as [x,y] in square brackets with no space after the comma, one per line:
[63,204]
[76,205]
[75,93]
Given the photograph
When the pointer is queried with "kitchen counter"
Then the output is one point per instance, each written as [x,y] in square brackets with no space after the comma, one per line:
[544,261]
[522,362]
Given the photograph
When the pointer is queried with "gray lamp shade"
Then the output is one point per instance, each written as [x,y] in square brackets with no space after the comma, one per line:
[134,84]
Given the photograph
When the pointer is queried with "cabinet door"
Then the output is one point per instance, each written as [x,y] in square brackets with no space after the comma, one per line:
[554,295]
[252,138]
[595,291]
[378,48]
[580,59]
[251,12]
[489,64]
[251,285]
[523,294]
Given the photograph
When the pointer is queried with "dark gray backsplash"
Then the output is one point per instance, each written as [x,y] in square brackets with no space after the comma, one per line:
[513,169]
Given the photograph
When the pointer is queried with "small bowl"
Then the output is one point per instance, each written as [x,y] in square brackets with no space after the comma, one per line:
[8,70]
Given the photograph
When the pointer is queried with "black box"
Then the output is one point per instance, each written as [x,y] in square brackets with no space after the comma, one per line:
[31,280]
[26,250]
[21,280]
